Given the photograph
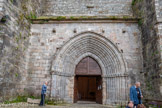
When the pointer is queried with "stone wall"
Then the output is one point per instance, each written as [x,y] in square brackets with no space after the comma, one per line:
[1,8]
[158,8]
[14,34]
[1,14]
[89,8]
[150,22]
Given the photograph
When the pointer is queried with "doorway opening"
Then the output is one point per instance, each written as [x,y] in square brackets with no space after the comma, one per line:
[88,81]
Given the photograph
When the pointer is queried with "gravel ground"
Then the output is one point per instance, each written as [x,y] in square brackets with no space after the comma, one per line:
[26,105]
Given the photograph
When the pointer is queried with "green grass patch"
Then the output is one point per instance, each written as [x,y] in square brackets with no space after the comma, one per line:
[17,100]
[55,102]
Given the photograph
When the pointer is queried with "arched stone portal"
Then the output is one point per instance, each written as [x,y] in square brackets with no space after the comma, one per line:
[104,51]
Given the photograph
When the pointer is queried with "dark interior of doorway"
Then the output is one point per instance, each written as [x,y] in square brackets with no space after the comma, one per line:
[88,88]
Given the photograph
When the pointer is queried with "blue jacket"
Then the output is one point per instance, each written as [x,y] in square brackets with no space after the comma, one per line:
[44,89]
[134,95]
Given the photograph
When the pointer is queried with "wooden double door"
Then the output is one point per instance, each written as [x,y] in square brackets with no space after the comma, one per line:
[88,81]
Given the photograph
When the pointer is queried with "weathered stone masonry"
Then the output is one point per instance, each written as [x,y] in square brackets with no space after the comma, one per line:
[126,48]
[89,8]
[151,17]
[14,33]
[57,47]
[45,45]
[12,50]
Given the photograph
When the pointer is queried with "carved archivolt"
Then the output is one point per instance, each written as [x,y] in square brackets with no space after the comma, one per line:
[104,51]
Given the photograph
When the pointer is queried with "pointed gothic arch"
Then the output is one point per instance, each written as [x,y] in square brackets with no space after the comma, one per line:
[104,51]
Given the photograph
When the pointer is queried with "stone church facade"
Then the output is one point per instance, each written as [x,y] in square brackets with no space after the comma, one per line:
[65,33]
[56,55]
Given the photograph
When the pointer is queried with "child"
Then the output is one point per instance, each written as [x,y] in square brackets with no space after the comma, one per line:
[130,104]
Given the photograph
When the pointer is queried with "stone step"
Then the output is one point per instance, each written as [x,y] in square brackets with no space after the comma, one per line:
[85,105]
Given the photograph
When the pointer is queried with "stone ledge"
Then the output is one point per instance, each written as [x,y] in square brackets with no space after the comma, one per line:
[115,75]
[53,19]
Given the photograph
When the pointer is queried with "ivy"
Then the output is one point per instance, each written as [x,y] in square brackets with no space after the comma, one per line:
[140,22]
[11,1]
[149,85]
[16,75]
[135,1]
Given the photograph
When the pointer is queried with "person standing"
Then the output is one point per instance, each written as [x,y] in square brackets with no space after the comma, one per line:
[135,94]
[43,94]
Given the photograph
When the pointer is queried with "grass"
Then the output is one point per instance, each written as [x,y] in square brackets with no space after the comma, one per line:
[54,102]
[17,100]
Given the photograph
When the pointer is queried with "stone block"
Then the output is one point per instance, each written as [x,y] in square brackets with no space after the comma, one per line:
[33,101]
